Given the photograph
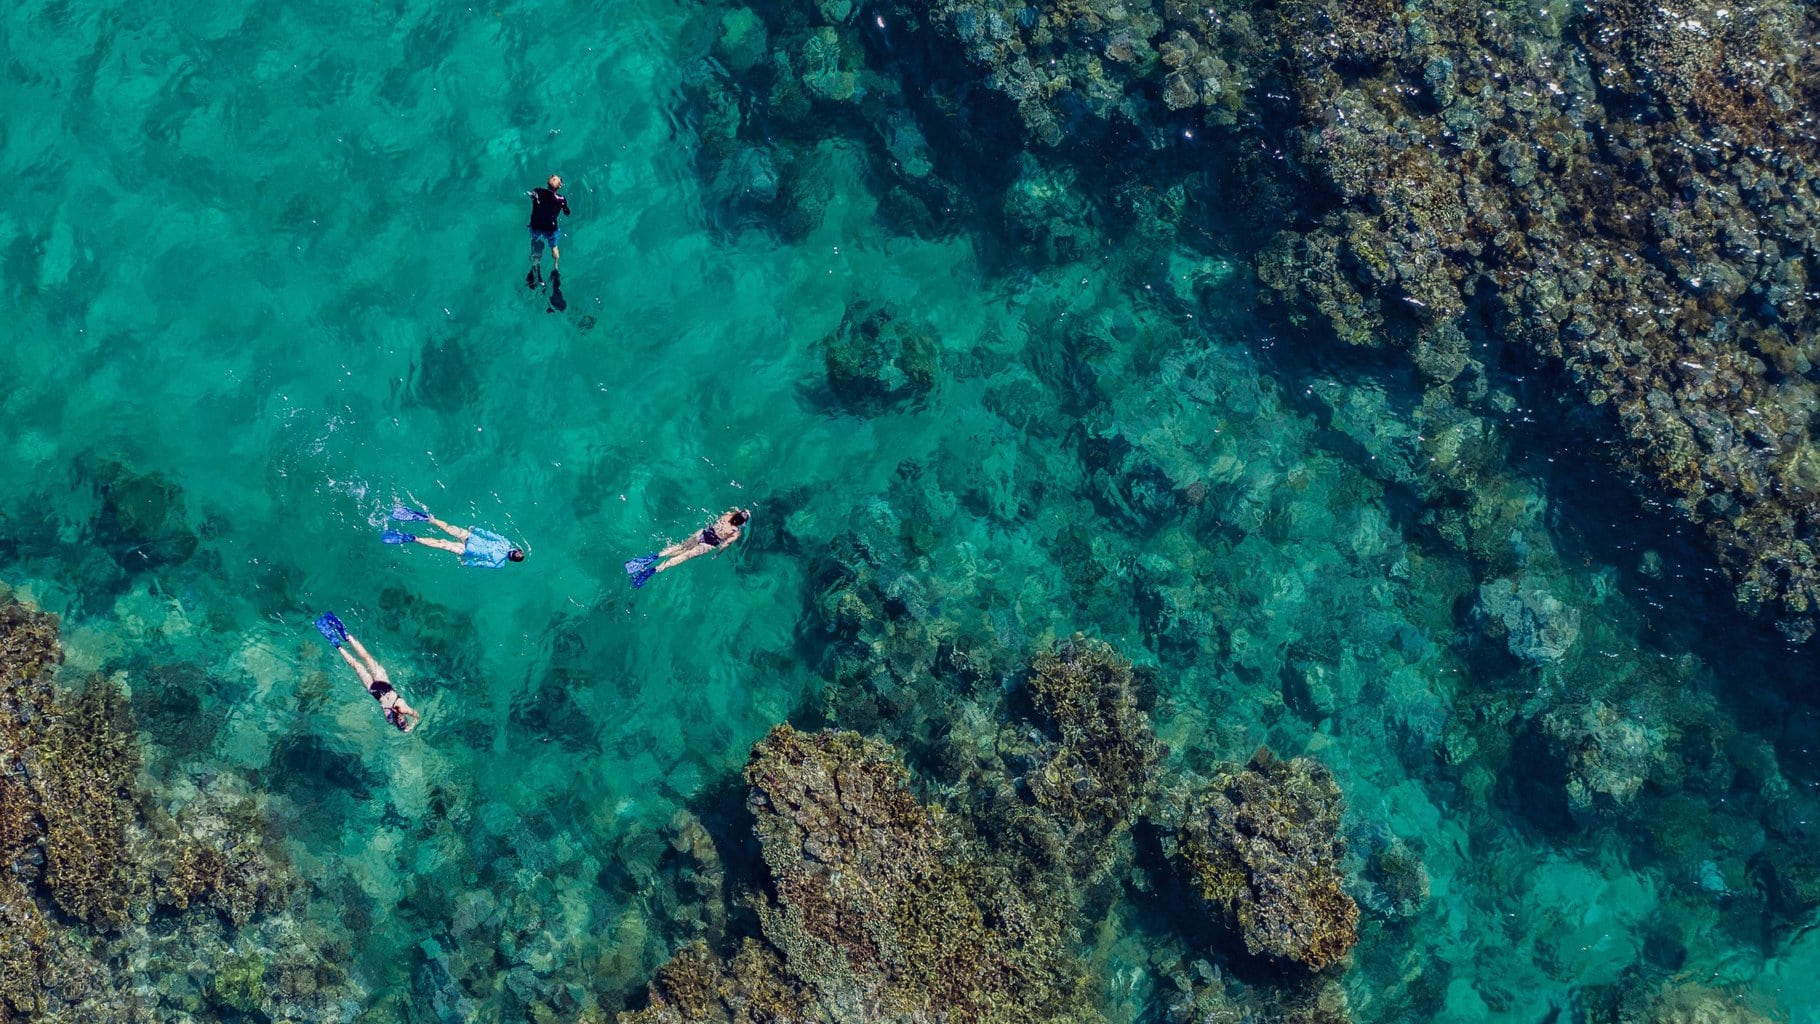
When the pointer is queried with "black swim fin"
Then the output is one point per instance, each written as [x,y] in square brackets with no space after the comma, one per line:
[557,302]
[531,279]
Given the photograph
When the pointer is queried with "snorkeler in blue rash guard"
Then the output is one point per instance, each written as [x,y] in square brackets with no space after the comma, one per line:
[477,547]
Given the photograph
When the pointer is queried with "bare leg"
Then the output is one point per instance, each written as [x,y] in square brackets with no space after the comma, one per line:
[366,678]
[445,545]
[454,531]
[555,258]
[373,665]
[677,557]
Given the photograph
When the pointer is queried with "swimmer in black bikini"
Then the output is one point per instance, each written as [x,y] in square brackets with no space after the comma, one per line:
[713,537]
[402,716]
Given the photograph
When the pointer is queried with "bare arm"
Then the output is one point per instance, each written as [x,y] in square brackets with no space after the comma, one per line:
[407,715]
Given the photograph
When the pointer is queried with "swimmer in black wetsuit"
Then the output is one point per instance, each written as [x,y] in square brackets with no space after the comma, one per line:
[547,204]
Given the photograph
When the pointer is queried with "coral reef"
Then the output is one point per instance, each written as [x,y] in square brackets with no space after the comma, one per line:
[1627,200]
[878,358]
[1260,845]
[80,833]
[1099,769]
[875,905]
[1623,194]
[750,987]
[898,907]
[1688,1002]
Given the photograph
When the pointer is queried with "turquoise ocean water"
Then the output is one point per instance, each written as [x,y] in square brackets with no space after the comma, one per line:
[263,271]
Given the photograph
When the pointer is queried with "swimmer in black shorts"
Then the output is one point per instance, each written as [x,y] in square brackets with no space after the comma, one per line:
[547,204]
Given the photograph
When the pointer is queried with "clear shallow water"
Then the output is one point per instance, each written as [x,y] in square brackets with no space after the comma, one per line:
[271,261]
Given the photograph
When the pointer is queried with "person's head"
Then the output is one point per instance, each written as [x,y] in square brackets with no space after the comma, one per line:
[556,182]
[739,516]
[515,555]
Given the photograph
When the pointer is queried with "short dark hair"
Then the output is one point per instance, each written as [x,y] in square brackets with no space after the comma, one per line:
[515,555]
[740,516]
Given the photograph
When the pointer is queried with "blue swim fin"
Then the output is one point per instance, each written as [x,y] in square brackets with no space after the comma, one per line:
[642,569]
[407,514]
[394,537]
[331,628]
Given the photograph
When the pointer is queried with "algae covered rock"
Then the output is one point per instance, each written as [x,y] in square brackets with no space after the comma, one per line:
[240,983]
[1593,758]
[1099,768]
[1689,1002]
[699,988]
[877,358]
[1260,844]
[95,873]
[892,905]
[1536,626]
[874,906]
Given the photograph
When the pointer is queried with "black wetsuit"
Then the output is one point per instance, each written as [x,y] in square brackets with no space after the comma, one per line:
[546,206]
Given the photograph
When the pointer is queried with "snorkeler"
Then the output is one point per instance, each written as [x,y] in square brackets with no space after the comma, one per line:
[476,546]
[547,204]
[402,716]
[713,537]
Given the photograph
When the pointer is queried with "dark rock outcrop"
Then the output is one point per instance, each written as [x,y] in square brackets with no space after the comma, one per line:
[875,907]
[1260,844]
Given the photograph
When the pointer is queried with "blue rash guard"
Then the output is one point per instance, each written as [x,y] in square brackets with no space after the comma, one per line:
[485,549]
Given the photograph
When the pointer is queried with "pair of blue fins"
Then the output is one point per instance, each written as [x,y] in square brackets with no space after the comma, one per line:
[404,514]
[331,629]
[639,570]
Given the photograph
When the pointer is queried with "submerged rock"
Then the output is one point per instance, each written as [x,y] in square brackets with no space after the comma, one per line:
[878,358]
[1099,768]
[143,521]
[98,877]
[1688,1002]
[1260,844]
[1534,624]
[874,906]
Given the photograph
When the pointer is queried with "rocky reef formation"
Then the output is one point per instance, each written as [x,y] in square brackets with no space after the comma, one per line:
[878,358]
[1260,844]
[873,904]
[103,889]
[1099,768]
[1679,1002]
[1626,197]
[875,907]
[1622,194]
